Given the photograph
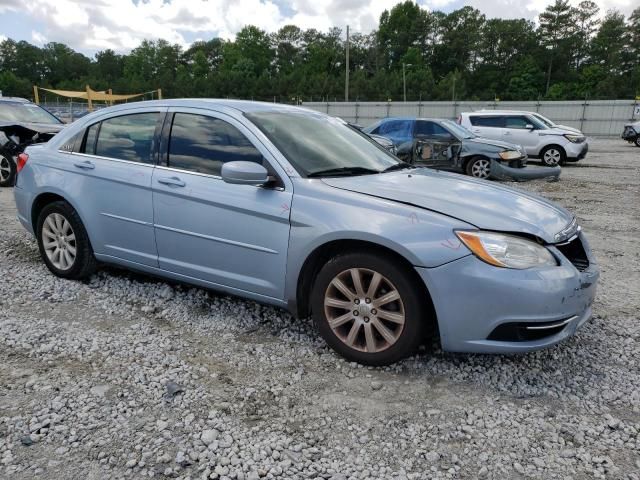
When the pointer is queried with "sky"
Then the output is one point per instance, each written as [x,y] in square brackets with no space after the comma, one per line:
[92,25]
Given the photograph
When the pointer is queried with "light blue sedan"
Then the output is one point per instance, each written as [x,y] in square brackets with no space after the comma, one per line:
[294,208]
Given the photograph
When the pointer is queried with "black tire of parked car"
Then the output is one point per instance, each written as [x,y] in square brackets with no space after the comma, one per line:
[9,169]
[561,161]
[85,263]
[636,142]
[416,321]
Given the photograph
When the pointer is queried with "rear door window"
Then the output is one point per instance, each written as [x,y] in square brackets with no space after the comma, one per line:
[495,121]
[128,137]
[202,144]
[89,145]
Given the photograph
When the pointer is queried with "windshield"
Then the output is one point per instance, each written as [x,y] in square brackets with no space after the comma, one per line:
[458,130]
[544,120]
[25,113]
[314,143]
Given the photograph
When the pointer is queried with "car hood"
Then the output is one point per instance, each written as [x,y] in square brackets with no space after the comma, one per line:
[561,130]
[492,143]
[485,205]
[568,129]
[36,127]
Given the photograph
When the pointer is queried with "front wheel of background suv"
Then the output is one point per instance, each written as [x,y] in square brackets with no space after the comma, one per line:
[553,155]
[63,242]
[368,309]
[7,170]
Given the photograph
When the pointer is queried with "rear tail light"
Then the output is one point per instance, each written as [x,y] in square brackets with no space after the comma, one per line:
[22,161]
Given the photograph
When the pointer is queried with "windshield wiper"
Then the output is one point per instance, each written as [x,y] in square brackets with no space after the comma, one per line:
[342,171]
[397,166]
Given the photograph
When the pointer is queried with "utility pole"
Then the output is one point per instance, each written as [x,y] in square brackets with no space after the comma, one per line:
[346,78]
[404,81]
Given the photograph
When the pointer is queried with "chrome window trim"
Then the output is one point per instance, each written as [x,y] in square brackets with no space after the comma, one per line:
[190,172]
[88,155]
[214,177]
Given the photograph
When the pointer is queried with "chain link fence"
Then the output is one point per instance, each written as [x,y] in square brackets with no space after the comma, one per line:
[597,118]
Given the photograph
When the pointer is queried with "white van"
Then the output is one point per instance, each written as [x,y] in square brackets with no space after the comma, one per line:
[539,136]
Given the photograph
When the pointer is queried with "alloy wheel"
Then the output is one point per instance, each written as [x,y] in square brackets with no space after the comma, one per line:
[364,310]
[638,141]
[5,168]
[481,168]
[59,241]
[552,157]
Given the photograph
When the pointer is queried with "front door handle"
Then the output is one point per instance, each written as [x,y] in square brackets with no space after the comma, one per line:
[86,165]
[171,181]
[507,133]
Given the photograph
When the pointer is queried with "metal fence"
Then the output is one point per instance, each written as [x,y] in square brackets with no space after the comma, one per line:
[70,111]
[598,118]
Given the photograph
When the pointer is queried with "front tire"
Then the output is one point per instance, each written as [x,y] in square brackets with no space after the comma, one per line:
[553,155]
[7,170]
[63,242]
[368,309]
[479,167]
[637,141]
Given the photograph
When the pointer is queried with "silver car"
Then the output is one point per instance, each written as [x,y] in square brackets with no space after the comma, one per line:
[294,208]
[540,137]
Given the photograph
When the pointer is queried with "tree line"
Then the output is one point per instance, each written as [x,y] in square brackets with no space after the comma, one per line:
[570,53]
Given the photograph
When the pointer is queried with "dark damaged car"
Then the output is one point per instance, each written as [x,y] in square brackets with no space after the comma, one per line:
[443,144]
[22,123]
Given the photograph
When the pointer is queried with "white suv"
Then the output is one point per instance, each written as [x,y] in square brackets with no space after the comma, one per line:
[539,136]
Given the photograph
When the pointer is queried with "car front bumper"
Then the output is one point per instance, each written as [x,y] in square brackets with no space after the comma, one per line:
[472,299]
[576,151]
[501,171]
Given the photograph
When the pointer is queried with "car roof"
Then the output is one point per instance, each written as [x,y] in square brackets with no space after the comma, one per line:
[244,106]
[413,119]
[14,100]
[498,112]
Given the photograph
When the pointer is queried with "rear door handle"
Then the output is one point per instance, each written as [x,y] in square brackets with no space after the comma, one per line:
[86,165]
[507,133]
[171,181]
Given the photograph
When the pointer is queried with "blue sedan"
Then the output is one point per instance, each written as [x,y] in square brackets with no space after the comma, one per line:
[294,208]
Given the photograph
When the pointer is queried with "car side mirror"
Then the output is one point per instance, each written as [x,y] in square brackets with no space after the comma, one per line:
[528,126]
[244,173]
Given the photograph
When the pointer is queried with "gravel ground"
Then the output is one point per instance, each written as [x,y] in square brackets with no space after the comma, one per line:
[126,376]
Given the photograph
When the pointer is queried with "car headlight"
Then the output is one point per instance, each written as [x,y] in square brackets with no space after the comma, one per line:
[574,138]
[508,251]
[510,155]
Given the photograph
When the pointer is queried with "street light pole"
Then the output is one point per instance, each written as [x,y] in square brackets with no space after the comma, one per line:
[346,77]
[404,81]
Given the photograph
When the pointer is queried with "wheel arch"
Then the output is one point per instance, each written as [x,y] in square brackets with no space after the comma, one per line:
[45,198]
[553,145]
[321,254]
[466,159]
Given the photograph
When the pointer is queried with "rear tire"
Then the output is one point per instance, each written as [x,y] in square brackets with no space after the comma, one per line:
[376,320]
[63,242]
[637,141]
[7,170]
[553,155]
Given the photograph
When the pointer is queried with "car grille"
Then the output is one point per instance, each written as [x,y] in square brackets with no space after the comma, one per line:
[574,251]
